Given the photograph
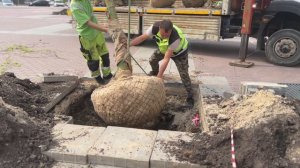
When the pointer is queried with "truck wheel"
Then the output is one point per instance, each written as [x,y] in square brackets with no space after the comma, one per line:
[282,47]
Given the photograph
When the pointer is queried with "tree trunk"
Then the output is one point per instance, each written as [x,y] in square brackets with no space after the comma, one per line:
[122,55]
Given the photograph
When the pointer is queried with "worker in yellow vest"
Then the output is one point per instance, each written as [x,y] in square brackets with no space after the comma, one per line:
[172,44]
[92,41]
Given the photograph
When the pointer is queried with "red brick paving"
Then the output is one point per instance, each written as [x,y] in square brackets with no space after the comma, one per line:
[60,54]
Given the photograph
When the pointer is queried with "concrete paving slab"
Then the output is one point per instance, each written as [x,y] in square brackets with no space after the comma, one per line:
[293,90]
[66,140]
[251,87]
[67,91]
[102,166]
[68,165]
[72,165]
[161,158]
[63,119]
[123,147]
[214,85]
[48,78]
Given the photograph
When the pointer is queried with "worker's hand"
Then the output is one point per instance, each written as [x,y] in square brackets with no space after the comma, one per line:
[105,29]
[160,76]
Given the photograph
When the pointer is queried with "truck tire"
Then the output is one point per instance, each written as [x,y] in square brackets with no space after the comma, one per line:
[283,47]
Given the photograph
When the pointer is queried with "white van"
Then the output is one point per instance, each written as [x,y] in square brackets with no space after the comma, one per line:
[59,3]
[6,3]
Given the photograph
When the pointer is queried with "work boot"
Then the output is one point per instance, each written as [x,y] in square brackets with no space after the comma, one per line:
[108,77]
[153,73]
[190,100]
[100,80]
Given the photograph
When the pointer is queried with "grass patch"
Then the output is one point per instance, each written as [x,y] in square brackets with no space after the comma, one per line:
[8,64]
[21,48]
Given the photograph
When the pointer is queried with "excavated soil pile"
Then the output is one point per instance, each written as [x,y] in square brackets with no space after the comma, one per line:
[20,138]
[266,134]
[24,126]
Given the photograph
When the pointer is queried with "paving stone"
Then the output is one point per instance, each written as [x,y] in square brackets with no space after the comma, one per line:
[63,119]
[123,147]
[68,165]
[72,165]
[214,85]
[61,96]
[48,78]
[103,166]
[160,158]
[72,142]
[251,87]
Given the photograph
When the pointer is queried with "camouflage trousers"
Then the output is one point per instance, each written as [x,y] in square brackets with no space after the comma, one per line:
[181,63]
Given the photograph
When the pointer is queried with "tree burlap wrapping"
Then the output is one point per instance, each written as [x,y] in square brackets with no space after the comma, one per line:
[161,3]
[193,3]
[132,101]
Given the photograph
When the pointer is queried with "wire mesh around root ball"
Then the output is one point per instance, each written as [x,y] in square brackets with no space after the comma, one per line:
[134,101]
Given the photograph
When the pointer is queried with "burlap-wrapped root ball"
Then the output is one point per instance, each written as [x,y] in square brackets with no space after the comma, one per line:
[161,3]
[134,101]
[193,3]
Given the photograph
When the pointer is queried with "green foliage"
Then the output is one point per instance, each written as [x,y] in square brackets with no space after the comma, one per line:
[21,48]
[8,64]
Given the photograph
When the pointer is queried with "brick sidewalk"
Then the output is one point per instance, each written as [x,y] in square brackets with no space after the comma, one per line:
[56,49]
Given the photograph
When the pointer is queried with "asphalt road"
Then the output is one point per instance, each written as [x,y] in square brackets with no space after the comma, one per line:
[52,46]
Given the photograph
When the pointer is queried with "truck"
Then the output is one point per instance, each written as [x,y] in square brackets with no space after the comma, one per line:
[274,23]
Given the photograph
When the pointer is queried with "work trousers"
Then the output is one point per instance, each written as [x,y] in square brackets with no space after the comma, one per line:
[96,54]
[181,63]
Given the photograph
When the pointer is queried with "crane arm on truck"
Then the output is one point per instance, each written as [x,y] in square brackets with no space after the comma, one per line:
[245,32]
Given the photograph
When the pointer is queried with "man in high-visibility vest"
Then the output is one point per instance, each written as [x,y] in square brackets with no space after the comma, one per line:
[91,40]
[172,44]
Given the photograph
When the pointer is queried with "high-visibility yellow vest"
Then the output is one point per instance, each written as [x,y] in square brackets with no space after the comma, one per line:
[163,44]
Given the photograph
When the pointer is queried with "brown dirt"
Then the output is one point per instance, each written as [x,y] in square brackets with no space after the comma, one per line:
[176,115]
[266,127]
[24,126]
[266,134]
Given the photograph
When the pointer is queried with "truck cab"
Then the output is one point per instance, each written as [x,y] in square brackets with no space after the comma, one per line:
[278,32]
